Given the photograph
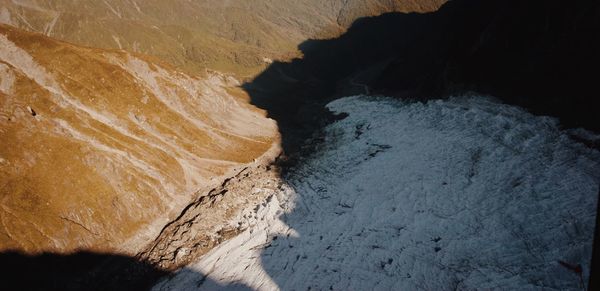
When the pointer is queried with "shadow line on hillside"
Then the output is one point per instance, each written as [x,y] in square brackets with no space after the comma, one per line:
[405,55]
[503,48]
[536,54]
[417,57]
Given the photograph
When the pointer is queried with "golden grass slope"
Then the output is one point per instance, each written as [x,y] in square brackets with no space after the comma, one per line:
[99,148]
[236,36]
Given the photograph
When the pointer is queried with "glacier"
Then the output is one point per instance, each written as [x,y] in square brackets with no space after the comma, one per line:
[456,194]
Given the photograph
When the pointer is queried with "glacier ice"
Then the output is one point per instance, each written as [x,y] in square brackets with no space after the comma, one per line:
[463,193]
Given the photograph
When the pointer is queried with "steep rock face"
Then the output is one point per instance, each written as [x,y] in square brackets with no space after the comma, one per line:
[233,36]
[100,148]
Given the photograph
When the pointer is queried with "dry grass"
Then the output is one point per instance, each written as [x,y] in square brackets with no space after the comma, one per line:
[94,172]
[228,36]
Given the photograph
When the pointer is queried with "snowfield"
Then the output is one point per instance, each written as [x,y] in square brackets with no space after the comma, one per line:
[465,193]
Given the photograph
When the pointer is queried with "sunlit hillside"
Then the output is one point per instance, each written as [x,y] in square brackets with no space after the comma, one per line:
[233,36]
[99,146]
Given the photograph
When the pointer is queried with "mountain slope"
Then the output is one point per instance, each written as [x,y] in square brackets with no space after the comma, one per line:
[100,148]
[233,36]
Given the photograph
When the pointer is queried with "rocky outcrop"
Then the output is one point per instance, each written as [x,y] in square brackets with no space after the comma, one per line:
[100,149]
[224,212]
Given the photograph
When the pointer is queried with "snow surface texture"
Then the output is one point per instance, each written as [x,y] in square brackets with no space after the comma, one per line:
[464,193]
